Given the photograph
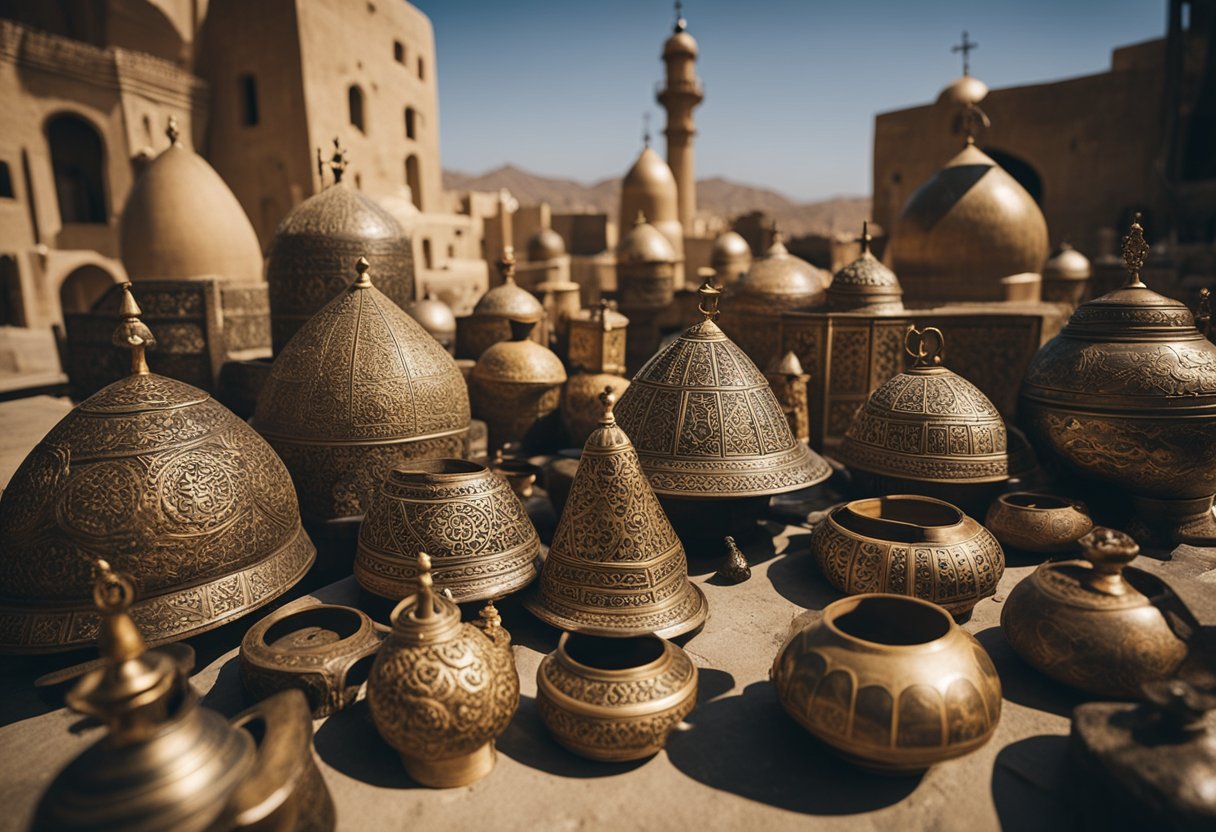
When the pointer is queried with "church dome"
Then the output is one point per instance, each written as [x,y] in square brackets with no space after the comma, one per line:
[781,281]
[544,245]
[967,89]
[644,244]
[970,233]
[181,222]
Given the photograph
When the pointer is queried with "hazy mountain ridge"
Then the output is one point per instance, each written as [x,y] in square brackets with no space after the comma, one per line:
[842,214]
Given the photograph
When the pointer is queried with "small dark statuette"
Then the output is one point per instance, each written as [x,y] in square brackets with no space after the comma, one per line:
[735,570]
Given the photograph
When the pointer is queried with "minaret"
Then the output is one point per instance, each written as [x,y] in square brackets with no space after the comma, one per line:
[682,93]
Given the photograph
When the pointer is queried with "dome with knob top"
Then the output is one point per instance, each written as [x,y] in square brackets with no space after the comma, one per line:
[780,281]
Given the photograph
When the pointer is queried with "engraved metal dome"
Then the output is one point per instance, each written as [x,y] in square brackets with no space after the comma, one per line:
[780,281]
[545,244]
[616,566]
[312,249]
[160,480]
[1066,263]
[360,388]
[644,244]
[706,423]
[865,284]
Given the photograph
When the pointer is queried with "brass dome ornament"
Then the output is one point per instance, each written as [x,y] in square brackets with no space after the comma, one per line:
[780,281]
[165,483]
[1125,395]
[615,566]
[928,431]
[706,424]
[1093,623]
[1066,276]
[313,247]
[497,310]
[360,388]
[891,683]
[441,691]
[166,762]
[435,317]
[481,543]
[730,258]
[865,285]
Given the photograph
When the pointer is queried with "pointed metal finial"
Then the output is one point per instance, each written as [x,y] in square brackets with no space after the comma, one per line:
[172,132]
[929,342]
[865,239]
[506,264]
[132,334]
[708,304]
[646,128]
[1135,252]
[364,280]
[965,47]
[489,619]
[337,161]
[426,588]
[681,23]
[608,400]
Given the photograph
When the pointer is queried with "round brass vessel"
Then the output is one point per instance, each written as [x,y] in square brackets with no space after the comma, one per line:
[467,518]
[1038,522]
[866,284]
[614,699]
[891,683]
[516,388]
[780,281]
[435,317]
[496,311]
[1092,623]
[909,545]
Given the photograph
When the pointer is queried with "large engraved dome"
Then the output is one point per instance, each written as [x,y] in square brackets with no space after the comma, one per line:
[360,388]
[167,485]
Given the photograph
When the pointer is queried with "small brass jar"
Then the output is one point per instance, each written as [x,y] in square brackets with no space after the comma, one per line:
[614,699]
[892,683]
[1092,623]
[1038,522]
[441,691]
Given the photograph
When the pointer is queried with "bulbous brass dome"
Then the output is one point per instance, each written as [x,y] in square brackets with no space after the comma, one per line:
[644,244]
[865,284]
[516,387]
[964,90]
[649,187]
[435,317]
[1066,263]
[544,245]
[360,388]
[730,245]
[166,484]
[780,281]
[509,302]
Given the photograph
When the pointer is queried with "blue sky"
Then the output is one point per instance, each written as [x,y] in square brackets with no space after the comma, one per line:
[792,88]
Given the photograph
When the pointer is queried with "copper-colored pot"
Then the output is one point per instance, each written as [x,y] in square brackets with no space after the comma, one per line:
[1038,522]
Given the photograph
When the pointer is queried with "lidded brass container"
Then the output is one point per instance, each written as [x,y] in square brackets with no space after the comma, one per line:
[441,691]
[1093,623]
[780,281]
[1126,396]
[360,388]
[645,264]
[597,354]
[615,566]
[909,545]
[889,682]
[865,285]
[706,424]
[310,255]
[928,431]
[165,483]
[435,317]
[614,699]
[481,542]
[496,311]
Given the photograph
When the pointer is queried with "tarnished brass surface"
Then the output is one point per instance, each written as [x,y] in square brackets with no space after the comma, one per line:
[1126,395]
[615,566]
[310,255]
[1092,623]
[645,266]
[597,339]
[480,541]
[516,389]
[892,683]
[1066,276]
[909,545]
[731,258]
[440,691]
[928,431]
[735,570]
[166,484]
[614,699]
[360,388]
[779,281]
[435,317]
[788,383]
[866,284]
[309,647]
[494,313]
[1038,522]
[580,408]
[706,424]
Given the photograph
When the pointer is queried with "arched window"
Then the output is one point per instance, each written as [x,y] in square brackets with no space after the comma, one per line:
[83,288]
[249,100]
[77,160]
[12,312]
[421,69]
[6,182]
[354,100]
[411,122]
[427,258]
[398,51]
[414,179]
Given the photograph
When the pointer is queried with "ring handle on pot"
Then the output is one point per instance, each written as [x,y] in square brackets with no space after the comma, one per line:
[927,351]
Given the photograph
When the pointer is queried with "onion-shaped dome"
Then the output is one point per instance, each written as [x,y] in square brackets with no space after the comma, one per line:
[964,90]
[164,483]
[644,244]
[181,222]
[729,246]
[436,317]
[1066,263]
[680,43]
[649,187]
[970,233]
[865,284]
[928,431]
[360,388]
[706,423]
[780,281]
[545,245]
[616,566]
[508,301]
[312,249]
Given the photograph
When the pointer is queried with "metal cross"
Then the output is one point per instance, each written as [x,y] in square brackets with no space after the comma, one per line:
[646,128]
[965,47]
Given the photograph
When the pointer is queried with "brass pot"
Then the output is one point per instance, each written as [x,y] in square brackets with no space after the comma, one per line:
[1038,522]
[1092,623]
[516,388]
[892,683]
[1126,395]
[468,518]
[909,545]
[614,699]
[441,691]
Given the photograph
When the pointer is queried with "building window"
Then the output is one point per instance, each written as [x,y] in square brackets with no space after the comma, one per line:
[411,120]
[421,69]
[427,259]
[354,100]
[83,288]
[398,51]
[451,251]
[77,161]
[6,182]
[249,100]
[414,179]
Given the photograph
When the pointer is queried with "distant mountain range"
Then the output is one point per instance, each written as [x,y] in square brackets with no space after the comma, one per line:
[842,214]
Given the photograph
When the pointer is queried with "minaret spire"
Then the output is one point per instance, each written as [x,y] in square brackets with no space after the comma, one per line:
[681,93]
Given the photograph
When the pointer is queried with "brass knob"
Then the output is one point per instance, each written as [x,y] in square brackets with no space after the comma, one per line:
[1108,551]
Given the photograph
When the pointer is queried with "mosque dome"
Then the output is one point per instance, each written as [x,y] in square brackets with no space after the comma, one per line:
[509,302]
[680,43]
[730,245]
[181,222]
[544,245]
[967,89]
[781,281]
[649,187]
[970,233]
[644,244]
[865,284]
[1066,263]
[436,317]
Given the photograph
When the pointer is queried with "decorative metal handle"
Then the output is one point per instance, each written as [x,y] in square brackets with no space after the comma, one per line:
[926,351]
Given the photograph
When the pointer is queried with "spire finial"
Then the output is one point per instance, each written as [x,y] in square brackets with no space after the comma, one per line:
[172,132]
[132,334]
[965,47]
[1135,252]
[608,400]
[364,280]
[640,219]
[506,264]
[865,239]
[708,304]
[337,161]
[646,128]
[681,23]
[425,607]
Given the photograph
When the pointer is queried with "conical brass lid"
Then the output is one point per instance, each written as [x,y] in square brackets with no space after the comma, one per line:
[706,423]
[616,566]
